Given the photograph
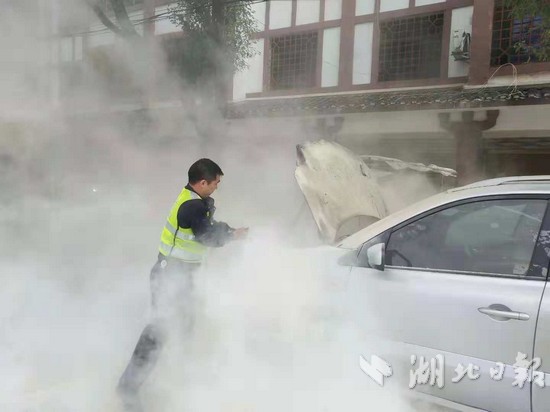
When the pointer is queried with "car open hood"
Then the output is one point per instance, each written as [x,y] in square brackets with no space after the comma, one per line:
[347,192]
[339,188]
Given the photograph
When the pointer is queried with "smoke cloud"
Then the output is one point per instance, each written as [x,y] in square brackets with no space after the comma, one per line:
[85,190]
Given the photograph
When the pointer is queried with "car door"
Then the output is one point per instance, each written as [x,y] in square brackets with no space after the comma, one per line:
[464,282]
[540,393]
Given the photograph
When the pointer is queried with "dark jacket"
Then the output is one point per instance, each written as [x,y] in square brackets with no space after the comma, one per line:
[194,214]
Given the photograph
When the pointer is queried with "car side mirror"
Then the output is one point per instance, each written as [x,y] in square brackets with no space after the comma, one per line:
[373,257]
[349,259]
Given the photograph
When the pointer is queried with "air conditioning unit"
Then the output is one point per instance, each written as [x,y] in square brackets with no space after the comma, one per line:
[461,51]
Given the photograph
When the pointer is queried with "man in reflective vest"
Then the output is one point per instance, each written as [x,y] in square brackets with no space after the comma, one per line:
[188,233]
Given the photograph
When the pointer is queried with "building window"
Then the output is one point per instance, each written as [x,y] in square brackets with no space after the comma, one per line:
[410,48]
[514,39]
[294,61]
[70,49]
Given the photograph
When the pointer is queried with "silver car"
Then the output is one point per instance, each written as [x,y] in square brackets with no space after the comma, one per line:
[448,296]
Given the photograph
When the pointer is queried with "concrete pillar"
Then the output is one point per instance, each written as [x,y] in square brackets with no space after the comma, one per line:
[469,151]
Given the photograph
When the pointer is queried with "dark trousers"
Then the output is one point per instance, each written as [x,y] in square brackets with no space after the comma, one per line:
[172,304]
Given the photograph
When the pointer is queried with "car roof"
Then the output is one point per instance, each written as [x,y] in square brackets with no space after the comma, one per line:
[520,182]
[515,185]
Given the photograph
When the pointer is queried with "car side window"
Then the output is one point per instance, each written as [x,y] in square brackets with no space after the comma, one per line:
[491,237]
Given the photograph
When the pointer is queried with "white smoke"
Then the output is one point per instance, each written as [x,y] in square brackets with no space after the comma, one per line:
[84,195]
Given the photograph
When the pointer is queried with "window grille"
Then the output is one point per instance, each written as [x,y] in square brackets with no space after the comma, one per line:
[509,33]
[410,48]
[294,61]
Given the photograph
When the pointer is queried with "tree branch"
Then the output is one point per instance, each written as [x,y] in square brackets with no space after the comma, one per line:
[103,17]
[122,17]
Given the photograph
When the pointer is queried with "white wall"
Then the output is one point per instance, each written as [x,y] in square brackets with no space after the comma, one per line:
[164,25]
[461,21]
[364,7]
[524,120]
[251,79]
[362,53]
[389,5]
[307,11]
[280,14]
[426,2]
[333,9]
[331,57]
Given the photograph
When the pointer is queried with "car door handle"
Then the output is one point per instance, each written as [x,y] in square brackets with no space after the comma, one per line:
[503,314]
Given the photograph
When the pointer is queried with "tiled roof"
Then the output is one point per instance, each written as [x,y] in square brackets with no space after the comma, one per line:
[515,145]
[444,98]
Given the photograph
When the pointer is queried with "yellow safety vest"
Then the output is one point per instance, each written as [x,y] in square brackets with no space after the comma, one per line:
[179,242]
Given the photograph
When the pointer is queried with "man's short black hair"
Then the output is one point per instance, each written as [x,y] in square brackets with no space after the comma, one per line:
[204,169]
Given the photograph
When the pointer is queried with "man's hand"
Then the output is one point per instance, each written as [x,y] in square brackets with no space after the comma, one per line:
[240,233]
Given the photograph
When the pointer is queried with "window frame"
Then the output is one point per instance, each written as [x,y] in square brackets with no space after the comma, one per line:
[538,255]
[504,12]
[318,51]
[442,40]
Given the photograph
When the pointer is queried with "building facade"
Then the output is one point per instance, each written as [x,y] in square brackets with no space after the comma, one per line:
[428,80]
[433,81]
